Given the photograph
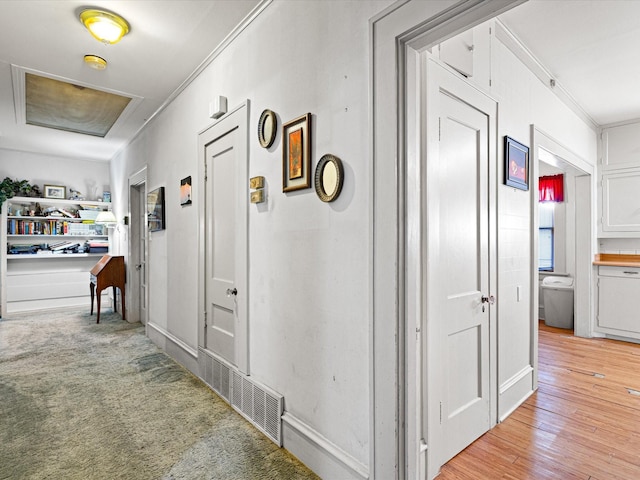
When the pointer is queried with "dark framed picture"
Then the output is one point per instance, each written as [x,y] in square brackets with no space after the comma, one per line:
[296,154]
[155,209]
[55,191]
[185,191]
[516,164]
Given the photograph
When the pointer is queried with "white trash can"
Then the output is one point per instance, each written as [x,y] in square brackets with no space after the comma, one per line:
[558,301]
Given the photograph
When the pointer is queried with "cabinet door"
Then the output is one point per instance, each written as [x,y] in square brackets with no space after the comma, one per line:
[621,202]
[620,146]
[619,305]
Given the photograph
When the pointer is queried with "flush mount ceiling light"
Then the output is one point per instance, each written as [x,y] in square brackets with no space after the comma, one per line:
[105,27]
[96,62]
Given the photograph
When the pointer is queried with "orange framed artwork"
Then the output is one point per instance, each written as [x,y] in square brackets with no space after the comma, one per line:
[296,154]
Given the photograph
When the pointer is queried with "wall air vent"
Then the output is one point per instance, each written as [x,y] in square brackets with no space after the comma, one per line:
[257,403]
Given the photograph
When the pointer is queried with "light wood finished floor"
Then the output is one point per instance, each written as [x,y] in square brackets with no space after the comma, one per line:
[582,423]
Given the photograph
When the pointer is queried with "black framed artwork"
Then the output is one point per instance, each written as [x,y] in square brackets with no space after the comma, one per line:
[155,209]
[516,164]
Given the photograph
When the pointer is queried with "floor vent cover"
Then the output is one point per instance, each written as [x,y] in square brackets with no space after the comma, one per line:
[216,375]
[257,403]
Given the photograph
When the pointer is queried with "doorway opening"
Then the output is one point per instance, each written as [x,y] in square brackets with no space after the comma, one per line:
[137,272]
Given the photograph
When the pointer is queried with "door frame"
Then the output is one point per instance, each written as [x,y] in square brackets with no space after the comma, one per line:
[584,251]
[237,118]
[136,181]
[398,35]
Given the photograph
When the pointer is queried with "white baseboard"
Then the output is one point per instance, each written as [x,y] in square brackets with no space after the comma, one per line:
[174,347]
[318,453]
[515,391]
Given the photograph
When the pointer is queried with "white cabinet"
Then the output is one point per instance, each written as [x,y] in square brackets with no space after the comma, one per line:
[48,248]
[621,147]
[619,181]
[620,207]
[618,312]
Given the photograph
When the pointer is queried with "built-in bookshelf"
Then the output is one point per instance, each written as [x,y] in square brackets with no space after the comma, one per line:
[48,248]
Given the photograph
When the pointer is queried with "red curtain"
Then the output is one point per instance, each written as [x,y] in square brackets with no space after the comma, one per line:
[551,188]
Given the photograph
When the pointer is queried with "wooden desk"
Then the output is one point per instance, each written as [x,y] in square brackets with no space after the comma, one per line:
[108,272]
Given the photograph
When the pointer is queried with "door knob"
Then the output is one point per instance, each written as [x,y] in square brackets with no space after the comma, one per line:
[233,292]
[490,300]
[138,267]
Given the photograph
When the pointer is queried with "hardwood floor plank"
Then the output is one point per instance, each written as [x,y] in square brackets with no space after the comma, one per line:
[581,424]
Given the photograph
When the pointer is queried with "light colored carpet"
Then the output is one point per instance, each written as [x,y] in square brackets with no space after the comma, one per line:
[80,400]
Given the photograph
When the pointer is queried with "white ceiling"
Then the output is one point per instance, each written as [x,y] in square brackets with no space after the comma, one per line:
[167,42]
[591,47]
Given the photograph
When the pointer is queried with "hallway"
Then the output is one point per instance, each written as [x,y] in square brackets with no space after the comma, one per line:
[582,423]
[81,400]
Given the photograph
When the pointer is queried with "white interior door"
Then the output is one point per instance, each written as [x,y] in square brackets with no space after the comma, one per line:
[226,191]
[136,274]
[458,246]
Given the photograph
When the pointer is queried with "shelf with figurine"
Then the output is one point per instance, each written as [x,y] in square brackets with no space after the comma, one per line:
[37,235]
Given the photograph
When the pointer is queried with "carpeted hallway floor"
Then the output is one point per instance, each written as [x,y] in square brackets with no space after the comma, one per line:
[80,400]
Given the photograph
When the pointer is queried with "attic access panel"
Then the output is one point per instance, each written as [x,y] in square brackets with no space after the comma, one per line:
[64,106]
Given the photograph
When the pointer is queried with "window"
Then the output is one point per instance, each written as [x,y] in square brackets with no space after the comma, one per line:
[545,239]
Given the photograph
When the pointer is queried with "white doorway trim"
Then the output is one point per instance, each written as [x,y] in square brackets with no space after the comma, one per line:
[584,251]
[136,181]
[236,119]
[397,35]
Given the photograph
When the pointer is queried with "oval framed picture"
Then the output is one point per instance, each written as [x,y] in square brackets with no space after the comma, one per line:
[329,178]
[267,128]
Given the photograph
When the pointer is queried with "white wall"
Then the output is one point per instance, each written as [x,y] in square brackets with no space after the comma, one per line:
[524,100]
[309,260]
[88,177]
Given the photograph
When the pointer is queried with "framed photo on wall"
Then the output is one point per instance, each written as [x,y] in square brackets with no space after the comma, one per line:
[185,191]
[155,209]
[516,164]
[55,191]
[296,154]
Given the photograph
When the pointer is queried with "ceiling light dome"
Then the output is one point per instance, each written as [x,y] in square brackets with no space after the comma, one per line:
[105,27]
[95,62]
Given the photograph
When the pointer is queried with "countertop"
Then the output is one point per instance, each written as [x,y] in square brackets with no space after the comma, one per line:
[617,260]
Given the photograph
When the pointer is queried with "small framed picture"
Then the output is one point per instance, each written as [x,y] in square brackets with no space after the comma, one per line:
[296,154]
[516,164]
[185,191]
[106,197]
[55,191]
[155,209]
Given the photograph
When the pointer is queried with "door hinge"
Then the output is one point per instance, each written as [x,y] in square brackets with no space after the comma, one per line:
[205,319]
[440,413]
[439,129]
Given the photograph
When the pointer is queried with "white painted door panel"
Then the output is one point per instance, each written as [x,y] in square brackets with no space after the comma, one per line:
[221,195]
[464,253]
[224,298]
[457,222]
